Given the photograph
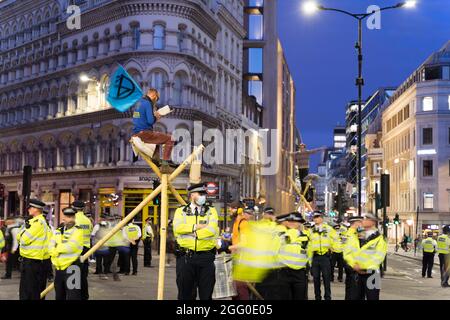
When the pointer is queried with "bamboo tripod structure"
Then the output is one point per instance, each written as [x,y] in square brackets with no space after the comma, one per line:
[302,195]
[162,188]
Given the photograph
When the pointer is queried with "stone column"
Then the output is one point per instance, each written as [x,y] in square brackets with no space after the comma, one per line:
[24,162]
[98,162]
[78,162]
[59,165]
[121,161]
[40,160]
[114,43]
[6,204]
[8,162]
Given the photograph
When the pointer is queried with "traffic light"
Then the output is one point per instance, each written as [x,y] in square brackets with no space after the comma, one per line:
[157,199]
[386,222]
[397,219]
[335,202]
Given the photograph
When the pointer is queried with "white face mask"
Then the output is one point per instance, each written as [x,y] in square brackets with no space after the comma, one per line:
[201,200]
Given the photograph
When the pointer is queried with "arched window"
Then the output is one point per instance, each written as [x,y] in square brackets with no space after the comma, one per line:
[103,91]
[179,83]
[159,35]
[158,80]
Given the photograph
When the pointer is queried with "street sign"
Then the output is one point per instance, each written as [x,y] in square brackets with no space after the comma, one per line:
[212,188]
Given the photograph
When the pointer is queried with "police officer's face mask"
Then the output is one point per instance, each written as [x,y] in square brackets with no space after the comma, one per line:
[201,200]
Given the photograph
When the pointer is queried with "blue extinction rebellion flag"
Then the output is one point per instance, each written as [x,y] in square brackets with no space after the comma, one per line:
[123,91]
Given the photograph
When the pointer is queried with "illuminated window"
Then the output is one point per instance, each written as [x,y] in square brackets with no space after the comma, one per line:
[427,104]
[255,26]
[428,201]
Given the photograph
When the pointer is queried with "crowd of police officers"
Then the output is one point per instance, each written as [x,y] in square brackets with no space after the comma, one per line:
[354,246]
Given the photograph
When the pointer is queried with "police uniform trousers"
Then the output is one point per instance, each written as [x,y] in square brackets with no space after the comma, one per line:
[367,287]
[31,279]
[67,286]
[84,276]
[46,272]
[321,266]
[350,282]
[196,270]
[147,252]
[133,257]
[337,259]
[427,263]
[443,268]
[293,284]
[101,261]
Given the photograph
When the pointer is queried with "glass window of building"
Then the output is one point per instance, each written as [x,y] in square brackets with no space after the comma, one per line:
[255,60]
[427,168]
[427,104]
[255,89]
[255,26]
[256,3]
[427,137]
[159,37]
[428,200]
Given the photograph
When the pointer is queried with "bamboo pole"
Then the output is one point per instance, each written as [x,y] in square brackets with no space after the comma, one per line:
[163,235]
[302,197]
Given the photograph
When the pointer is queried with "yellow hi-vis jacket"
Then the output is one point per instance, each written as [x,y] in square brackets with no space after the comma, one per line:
[132,232]
[66,246]
[429,245]
[351,246]
[85,225]
[187,236]
[34,239]
[147,231]
[323,241]
[339,245]
[443,244]
[2,240]
[293,253]
[50,235]
[257,252]
[371,255]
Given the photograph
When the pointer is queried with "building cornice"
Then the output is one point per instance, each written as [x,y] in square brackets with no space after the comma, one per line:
[118,9]
[232,22]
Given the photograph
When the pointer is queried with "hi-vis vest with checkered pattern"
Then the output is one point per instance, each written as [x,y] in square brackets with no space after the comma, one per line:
[66,246]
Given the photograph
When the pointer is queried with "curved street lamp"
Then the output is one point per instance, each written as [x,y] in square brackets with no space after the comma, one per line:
[310,7]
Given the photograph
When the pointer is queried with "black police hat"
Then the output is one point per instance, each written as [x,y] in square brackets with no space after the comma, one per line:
[249,210]
[269,210]
[78,204]
[355,218]
[199,187]
[35,203]
[293,216]
[317,214]
[70,212]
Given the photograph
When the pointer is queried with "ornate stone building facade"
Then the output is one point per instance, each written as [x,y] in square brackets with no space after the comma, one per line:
[190,50]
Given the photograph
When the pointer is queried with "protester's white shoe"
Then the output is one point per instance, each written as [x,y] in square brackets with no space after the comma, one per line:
[146,148]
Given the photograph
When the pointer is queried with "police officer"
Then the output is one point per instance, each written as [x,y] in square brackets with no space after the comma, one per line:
[429,248]
[368,259]
[336,256]
[33,241]
[196,231]
[65,249]
[2,240]
[101,255]
[132,233]
[351,245]
[294,257]
[443,249]
[85,224]
[147,238]
[323,241]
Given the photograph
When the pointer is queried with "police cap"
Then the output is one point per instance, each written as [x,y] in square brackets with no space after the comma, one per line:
[78,204]
[38,204]
[317,214]
[199,187]
[70,212]
[293,216]
[355,218]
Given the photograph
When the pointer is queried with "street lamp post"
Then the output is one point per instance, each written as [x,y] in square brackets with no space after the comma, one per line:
[312,6]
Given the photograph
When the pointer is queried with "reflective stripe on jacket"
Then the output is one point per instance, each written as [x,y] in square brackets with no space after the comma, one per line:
[372,254]
[443,244]
[85,225]
[429,245]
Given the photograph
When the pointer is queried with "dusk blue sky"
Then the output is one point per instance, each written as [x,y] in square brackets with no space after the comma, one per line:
[322,58]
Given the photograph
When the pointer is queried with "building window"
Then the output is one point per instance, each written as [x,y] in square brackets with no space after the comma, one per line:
[428,201]
[255,60]
[427,168]
[158,80]
[255,88]
[427,104]
[158,37]
[427,137]
[406,112]
[136,37]
[255,26]
[449,101]
[256,3]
